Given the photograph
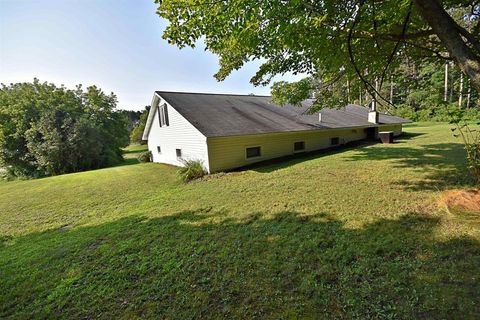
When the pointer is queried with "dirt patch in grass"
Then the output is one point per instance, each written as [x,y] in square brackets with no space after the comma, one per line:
[463,200]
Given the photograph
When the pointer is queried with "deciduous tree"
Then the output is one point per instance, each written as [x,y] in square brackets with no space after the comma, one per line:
[49,130]
[328,40]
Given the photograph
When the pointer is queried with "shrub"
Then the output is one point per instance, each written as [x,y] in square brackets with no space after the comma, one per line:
[191,170]
[145,157]
[473,158]
[471,140]
[440,112]
[472,114]
[405,111]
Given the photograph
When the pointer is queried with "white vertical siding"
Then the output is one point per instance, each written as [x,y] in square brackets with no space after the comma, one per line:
[179,134]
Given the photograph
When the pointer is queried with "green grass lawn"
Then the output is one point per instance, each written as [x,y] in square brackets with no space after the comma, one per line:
[355,233]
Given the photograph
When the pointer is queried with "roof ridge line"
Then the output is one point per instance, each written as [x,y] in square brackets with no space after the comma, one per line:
[214,94]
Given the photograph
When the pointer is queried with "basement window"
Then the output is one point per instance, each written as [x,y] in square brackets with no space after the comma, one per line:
[159,150]
[299,146]
[253,152]
[335,141]
[178,152]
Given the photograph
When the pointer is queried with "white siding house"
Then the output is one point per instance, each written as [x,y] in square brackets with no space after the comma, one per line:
[176,138]
[231,131]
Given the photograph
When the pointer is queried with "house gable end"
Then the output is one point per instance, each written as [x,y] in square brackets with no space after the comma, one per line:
[157,98]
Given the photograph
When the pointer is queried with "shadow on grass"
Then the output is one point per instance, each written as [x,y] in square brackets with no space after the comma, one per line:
[443,165]
[287,161]
[291,160]
[131,157]
[128,162]
[190,266]
[407,136]
[138,150]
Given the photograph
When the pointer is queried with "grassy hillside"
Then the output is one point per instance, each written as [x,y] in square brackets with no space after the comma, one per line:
[352,233]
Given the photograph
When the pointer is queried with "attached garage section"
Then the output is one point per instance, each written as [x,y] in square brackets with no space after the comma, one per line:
[237,151]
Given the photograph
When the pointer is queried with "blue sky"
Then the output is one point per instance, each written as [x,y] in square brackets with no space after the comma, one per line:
[114,44]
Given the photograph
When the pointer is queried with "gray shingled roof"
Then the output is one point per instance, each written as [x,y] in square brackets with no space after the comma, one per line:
[228,114]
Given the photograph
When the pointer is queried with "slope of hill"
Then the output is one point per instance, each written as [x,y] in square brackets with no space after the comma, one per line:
[352,233]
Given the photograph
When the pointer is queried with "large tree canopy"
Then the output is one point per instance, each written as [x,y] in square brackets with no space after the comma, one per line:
[329,40]
[48,130]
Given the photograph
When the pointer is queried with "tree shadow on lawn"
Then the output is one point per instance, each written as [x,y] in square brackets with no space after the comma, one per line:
[190,265]
[128,162]
[138,150]
[291,160]
[130,157]
[442,165]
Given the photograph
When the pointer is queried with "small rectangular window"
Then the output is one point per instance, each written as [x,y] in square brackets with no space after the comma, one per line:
[253,152]
[179,153]
[335,141]
[159,150]
[299,146]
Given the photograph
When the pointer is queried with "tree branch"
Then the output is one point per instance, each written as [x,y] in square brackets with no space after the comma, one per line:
[370,88]
[394,51]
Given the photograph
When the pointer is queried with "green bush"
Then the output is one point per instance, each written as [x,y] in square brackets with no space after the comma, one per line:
[191,170]
[470,135]
[472,114]
[439,113]
[145,157]
[473,158]
[407,112]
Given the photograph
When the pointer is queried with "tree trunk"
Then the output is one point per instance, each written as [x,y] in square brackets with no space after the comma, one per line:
[348,90]
[360,95]
[460,94]
[391,90]
[374,96]
[445,90]
[469,93]
[448,31]
[452,86]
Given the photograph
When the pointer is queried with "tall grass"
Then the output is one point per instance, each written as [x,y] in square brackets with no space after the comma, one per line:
[191,170]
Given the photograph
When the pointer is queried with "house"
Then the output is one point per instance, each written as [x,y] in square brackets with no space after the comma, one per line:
[228,131]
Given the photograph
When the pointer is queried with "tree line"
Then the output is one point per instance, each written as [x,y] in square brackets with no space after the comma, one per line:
[418,90]
[49,130]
